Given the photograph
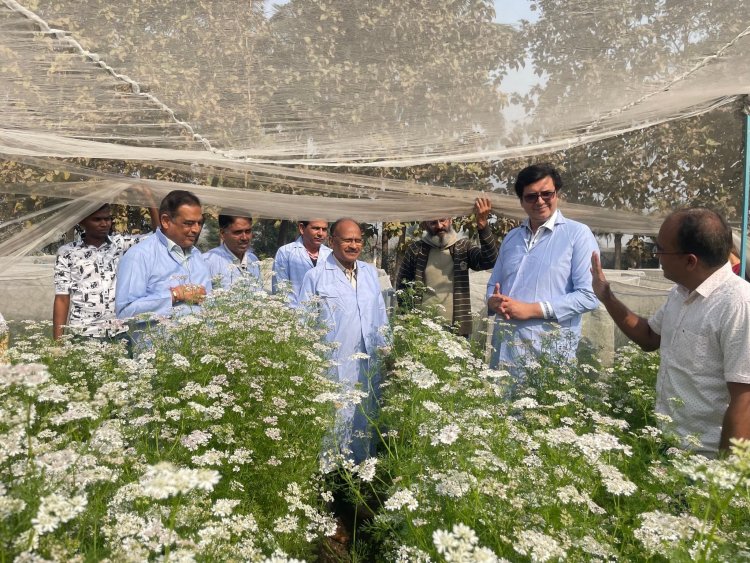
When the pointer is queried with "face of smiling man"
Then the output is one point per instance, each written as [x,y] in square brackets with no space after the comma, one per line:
[237,236]
[185,227]
[539,201]
[346,242]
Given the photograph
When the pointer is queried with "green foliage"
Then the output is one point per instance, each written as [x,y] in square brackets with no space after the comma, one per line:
[570,467]
[207,444]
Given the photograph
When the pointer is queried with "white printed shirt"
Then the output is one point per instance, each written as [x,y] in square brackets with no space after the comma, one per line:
[88,274]
[705,337]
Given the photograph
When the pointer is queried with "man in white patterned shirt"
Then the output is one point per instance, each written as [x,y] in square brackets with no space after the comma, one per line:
[85,276]
[702,332]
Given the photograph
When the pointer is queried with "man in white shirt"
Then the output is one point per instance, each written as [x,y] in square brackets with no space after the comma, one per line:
[165,275]
[702,331]
[540,286]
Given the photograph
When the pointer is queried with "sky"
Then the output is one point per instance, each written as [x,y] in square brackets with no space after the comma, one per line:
[512,11]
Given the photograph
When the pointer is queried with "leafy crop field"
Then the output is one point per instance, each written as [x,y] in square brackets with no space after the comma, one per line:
[208,447]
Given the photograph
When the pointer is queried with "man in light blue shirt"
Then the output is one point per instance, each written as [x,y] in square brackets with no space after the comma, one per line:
[165,274]
[541,283]
[233,261]
[293,260]
[350,304]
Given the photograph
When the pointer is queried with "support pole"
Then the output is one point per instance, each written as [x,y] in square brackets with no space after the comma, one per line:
[746,194]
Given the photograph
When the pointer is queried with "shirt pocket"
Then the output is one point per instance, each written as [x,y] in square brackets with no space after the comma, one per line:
[692,351]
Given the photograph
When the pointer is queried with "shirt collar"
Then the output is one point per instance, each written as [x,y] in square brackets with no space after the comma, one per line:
[106,242]
[714,281]
[549,224]
[233,256]
[176,248]
[343,268]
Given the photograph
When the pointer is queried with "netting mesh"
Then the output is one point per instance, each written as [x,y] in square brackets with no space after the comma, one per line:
[266,95]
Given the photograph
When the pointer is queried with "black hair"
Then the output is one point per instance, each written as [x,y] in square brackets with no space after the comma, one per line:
[227,220]
[705,234]
[306,223]
[534,173]
[176,199]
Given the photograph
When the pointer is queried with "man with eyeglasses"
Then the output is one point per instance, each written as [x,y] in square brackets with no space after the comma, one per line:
[344,294]
[702,332]
[233,261]
[540,286]
[440,263]
[166,275]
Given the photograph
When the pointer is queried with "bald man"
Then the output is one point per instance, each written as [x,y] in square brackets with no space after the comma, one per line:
[351,305]
[702,332]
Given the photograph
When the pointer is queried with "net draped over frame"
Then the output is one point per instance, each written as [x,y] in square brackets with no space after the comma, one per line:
[301,99]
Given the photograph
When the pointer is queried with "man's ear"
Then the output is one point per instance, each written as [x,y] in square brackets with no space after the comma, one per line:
[164,220]
[692,262]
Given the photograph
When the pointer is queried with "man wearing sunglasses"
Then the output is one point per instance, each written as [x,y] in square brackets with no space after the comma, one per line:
[702,331]
[541,283]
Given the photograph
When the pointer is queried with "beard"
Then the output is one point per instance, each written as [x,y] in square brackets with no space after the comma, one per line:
[442,239]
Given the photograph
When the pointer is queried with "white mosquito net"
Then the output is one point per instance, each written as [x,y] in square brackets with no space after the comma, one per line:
[304,108]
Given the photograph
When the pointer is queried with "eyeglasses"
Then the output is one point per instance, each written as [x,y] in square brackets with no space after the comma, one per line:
[546,196]
[354,241]
[657,251]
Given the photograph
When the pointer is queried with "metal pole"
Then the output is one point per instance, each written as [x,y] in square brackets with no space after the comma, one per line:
[746,195]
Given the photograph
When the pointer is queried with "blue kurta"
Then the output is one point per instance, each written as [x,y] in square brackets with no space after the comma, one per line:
[292,263]
[356,319]
[148,271]
[557,270]
[226,269]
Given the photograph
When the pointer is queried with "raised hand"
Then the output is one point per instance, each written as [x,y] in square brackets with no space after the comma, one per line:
[599,283]
[482,208]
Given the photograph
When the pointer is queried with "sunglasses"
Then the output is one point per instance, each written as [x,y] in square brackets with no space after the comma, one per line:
[546,196]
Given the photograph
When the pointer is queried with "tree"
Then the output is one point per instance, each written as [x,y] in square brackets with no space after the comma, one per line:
[695,161]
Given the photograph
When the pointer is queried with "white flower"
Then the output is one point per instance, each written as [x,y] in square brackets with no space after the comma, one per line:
[76,411]
[286,524]
[400,499]
[447,435]
[461,544]
[57,509]
[366,469]
[224,506]
[538,546]
[195,439]
[273,433]
[525,403]
[27,375]
[454,483]
[180,361]
[165,480]
[660,531]
[431,407]
[614,481]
